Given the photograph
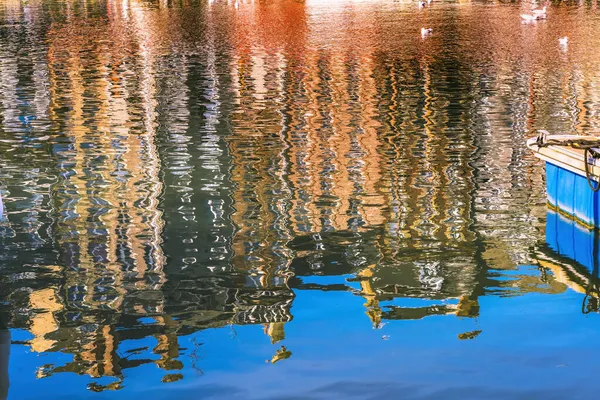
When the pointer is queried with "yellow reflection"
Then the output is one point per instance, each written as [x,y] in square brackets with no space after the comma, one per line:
[45,302]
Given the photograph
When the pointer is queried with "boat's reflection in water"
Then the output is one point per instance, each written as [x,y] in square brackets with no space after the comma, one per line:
[571,253]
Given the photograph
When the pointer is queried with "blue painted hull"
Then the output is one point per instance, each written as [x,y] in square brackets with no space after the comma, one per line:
[570,194]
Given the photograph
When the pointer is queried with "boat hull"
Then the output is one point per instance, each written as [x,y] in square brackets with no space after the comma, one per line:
[567,185]
[570,194]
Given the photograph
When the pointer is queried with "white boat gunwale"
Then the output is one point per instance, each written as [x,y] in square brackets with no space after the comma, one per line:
[567,157]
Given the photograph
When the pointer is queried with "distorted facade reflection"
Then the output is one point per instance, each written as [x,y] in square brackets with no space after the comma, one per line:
[173,166]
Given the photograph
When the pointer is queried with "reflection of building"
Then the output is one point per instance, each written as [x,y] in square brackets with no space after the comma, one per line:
[109,227]
[188,174]
[325,171]
[45,301]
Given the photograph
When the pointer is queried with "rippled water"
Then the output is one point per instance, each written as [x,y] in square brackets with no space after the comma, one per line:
[291,199]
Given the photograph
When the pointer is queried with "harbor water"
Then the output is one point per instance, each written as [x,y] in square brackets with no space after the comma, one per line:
[288,199]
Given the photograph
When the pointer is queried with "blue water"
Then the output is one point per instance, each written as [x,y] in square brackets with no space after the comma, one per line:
[342,357]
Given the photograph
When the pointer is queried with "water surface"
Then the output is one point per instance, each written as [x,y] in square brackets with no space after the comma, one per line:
[288,199]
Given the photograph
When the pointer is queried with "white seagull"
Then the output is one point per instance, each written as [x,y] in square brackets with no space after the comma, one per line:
[540,13]
[529,18]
